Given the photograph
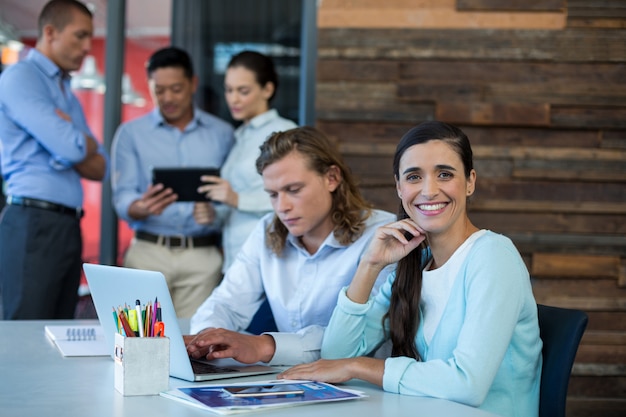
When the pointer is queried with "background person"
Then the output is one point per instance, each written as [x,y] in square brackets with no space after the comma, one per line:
[462,319]
[297,258]
[250,84]
[47,148]
[174,134]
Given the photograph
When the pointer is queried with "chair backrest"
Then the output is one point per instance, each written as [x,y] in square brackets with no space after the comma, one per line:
[561,330]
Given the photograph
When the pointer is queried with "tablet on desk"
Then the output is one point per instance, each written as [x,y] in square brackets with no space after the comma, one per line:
[184,181]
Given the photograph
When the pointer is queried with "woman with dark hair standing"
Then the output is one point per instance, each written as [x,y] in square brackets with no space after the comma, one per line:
[250,84]
[459,309]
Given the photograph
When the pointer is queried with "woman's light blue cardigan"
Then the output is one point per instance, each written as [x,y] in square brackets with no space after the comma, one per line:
[486,351]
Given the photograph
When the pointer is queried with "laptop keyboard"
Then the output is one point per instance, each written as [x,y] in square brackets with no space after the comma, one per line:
[207,368]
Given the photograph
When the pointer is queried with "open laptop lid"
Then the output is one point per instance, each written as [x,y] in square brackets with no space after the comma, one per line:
[112,286]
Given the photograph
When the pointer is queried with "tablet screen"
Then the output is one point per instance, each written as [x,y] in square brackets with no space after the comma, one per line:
[184,181]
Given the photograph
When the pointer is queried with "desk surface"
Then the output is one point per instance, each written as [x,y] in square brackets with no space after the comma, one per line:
[36,380]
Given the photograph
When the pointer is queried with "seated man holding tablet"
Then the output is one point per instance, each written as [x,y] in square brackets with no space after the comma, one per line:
[298,258]
[174,135]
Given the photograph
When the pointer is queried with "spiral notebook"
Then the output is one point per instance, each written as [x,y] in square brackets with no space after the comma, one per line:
[78,340]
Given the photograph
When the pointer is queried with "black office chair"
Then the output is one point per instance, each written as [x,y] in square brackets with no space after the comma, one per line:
[561,330]
[263,320]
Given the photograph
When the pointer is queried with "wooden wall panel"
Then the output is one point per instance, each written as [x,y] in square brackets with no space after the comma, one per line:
[602,14]
[544,109]
[433,13]
[564,46]
[511,5]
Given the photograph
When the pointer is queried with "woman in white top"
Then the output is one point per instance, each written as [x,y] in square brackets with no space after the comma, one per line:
[250,84]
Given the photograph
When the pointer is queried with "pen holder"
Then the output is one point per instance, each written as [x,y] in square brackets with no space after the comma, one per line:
[142,365]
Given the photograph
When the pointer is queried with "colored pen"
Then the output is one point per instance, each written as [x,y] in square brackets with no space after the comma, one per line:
[117,320]
[139,317]
[148,325]
[124,320]
[154,313]
[159,326]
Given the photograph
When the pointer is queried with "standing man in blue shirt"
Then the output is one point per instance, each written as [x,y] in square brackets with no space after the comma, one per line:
[47,148]
[174,134]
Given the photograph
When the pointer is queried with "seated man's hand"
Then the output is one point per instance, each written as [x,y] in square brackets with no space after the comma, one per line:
[222,343]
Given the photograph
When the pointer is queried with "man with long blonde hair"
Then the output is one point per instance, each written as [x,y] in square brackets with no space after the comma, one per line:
[298,258]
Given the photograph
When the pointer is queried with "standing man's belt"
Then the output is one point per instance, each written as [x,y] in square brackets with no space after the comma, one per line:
[179,241]
[45,205]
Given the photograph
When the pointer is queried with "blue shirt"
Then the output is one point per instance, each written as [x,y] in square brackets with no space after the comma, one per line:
[150,142]
[486,350]
[300,287]
[240,171]
[39,148]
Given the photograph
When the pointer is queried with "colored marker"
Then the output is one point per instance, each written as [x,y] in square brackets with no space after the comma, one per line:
[139,317]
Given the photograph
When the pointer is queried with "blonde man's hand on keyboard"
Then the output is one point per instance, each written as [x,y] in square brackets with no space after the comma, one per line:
[221,343]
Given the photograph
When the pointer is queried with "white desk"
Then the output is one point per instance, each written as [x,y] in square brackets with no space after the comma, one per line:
[36,380]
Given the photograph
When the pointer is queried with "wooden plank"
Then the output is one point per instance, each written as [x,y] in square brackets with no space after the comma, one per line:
[390,133]
[356,70]
[577,288]
[391,4]
[559,93]
[589,170]
[538,223]
[551,191]
[596,8]
[365,131]
[367,102]
[511,5]
[604,337]
[551,92]
[621,278]
[599,369]
[555,83]
[575,265]
[613,139]
[423,90]
[588,117]
[593,244]
[481,113]
[599,354]
[596,23]
[472,71]
[418,18]
[529,137]
[569,45]
[550,153]
[413,112]
[604,396]
[586,303]
[528,206]
[600,320]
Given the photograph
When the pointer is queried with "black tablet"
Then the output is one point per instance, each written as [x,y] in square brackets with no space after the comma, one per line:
[184,181]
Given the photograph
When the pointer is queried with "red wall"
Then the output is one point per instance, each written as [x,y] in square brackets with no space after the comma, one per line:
[137,53]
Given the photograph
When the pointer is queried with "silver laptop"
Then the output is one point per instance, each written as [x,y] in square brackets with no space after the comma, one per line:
[113,286]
